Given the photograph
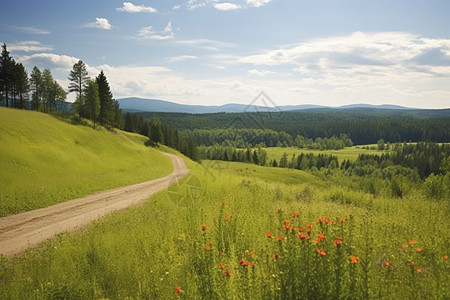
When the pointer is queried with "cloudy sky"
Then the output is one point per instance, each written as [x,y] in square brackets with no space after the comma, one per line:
[326,52]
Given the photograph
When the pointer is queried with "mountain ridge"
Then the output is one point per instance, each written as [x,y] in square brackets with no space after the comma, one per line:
[135,104]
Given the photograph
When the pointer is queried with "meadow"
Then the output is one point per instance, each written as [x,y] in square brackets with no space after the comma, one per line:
[237,231]
[348,153]
[45,160]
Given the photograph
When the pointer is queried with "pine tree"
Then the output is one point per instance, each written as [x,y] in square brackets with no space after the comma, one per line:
[106,114]
[36,88]
[78,77]
[6,64]
[156,134]
[92,102]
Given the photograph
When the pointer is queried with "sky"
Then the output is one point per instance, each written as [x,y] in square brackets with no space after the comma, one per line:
[213,52]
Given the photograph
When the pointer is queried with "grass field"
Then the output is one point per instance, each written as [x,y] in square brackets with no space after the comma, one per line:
[44,160]
[240,233]
[349,153]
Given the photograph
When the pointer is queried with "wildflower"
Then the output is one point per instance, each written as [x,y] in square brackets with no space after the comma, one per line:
[219,253]
[242,262]
[207,248]
[210,242]
[338,242]
[308,228]
[301,229]
[303,236]
[419,250]
[203,227]
[222,265]
[295,214]
[246,263]
[412,242]
[350,215]
[251,252]
[419,270]
[224,202]
[227,272]
[445,257]
[354,259]
[276,256]
[404,246]
[268,235]
[321,236]
[321,252]
[278,210]
[342,220]
[279,238]
[387,264]
[177,289]
[412,264]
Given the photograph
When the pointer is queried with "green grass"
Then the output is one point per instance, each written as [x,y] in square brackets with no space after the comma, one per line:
[145,252]
[349,153]
[45,161]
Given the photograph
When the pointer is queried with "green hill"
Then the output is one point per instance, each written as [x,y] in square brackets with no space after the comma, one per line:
[45,160]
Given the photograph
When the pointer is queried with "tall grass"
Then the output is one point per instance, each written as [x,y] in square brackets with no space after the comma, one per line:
[44,160]
[237,236]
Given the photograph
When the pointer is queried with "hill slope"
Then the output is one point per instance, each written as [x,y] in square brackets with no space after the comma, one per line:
[44,160]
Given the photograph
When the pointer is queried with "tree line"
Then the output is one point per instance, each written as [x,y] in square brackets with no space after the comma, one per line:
[362,126]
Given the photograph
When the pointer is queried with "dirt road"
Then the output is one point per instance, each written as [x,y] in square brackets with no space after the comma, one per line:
[21,231]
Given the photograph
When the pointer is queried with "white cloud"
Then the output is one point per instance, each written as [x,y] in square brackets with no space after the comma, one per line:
[257,3]
[175,7]
[131,8]
[147,33]
[182,58]
[29,46]
[258,72]
[226,6]
[101,23]
[206,44]
[32,30]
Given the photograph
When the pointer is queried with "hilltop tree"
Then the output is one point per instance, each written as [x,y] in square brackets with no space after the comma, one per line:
[107,113]
[92,102]
[36,88]
[6,66]
[78,77]
[21,85]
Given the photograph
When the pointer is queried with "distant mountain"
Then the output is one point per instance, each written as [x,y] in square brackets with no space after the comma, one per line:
[134,104]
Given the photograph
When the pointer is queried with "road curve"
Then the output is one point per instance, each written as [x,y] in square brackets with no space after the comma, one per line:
[21,231]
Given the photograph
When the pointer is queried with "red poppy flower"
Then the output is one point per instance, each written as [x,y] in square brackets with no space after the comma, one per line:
[387,264]
[321,236]
[279,238]
[321,252]
[276,256]
[177,289]
[354,259]
[242,261]
[342,220]
[203,227]
[419,250]
[227,272]
[338,242]
[302,236]
[268,235]
[295,214]
[207,248]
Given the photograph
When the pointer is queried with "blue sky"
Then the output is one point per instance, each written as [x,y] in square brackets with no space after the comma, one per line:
[325,52]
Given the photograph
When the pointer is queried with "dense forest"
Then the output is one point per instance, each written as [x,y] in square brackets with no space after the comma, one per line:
[361,125]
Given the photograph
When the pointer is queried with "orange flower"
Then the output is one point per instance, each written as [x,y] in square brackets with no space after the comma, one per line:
[303,236]
[251,252]
[321,236]
[419,270]
[278,210]
[354,259]
[279,238]
[445,257]
[404,246]
[203,227]
[227,272]
[387,264]
[412,242]
[342,220]
[308,228]
[419,250]
[224,202]
[268,235]
[321,252]
[207,248]
[338,242]
[295,214]
[276,256]
[242,261]
[350,215]
[222,265]
[177,289]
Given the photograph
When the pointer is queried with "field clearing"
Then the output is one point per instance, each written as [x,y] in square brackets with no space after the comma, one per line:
[216,244]
[45,161]
[348,153]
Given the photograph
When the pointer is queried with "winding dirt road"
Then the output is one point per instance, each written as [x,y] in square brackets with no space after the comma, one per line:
[21,231]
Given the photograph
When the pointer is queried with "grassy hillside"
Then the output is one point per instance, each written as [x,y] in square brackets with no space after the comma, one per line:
[44,160]
[234,231]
